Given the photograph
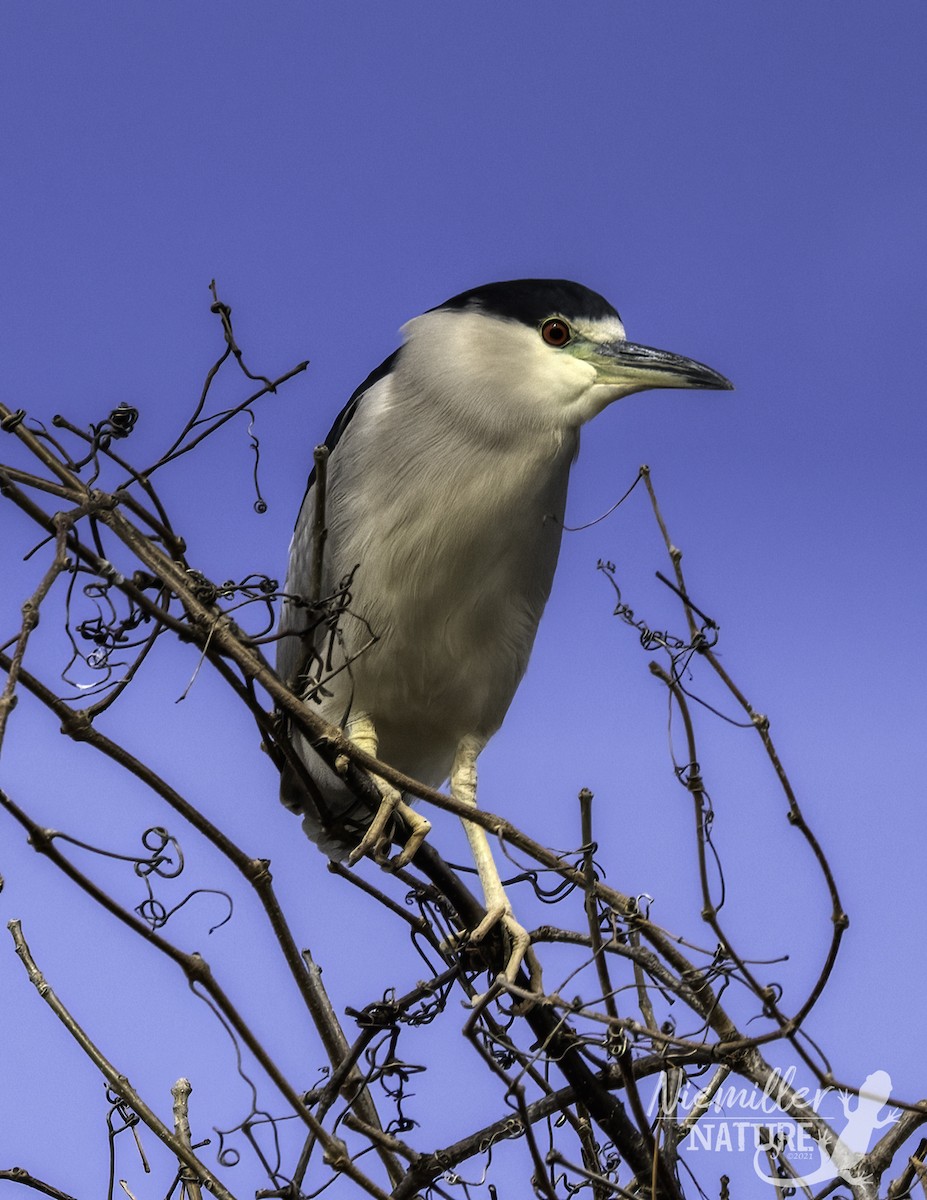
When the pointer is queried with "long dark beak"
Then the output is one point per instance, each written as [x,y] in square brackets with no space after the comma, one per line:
[626,363]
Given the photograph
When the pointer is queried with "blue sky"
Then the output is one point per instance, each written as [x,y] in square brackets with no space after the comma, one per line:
[746,183]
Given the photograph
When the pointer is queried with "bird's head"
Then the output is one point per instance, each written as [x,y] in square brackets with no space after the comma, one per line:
[543,350]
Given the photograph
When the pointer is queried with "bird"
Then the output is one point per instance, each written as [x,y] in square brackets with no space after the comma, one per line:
[418,576]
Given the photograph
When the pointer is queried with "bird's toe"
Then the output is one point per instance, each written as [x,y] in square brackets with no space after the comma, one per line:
[389,801]
[418,828]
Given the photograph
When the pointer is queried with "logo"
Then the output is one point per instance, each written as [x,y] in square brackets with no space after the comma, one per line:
[744,1119]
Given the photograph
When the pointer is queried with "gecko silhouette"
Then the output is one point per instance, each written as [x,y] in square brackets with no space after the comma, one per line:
[862,1120]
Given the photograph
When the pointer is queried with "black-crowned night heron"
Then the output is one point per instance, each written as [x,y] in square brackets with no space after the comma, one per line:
[447,481]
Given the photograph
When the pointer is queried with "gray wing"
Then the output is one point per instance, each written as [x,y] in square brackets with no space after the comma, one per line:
[292,653]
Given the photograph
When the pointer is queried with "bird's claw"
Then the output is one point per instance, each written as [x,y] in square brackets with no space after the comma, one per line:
[391,803]
[520,953]
[418,828]
[390,799]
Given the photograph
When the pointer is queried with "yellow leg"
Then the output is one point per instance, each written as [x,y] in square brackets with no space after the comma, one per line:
[498,907]
[363,734]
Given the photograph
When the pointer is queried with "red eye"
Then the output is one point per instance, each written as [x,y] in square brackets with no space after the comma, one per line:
[556,332]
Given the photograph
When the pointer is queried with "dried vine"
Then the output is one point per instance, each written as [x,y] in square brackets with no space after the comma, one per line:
[562,1073]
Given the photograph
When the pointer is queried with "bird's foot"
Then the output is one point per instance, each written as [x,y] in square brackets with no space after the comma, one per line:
[520,951]
[390,800]
[391,804]
[418,828]
[363,734]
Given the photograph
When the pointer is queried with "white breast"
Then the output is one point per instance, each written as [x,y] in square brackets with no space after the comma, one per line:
[454,531]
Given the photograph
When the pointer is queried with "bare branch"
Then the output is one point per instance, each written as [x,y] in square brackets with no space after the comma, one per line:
[116,1080]
[20,1175]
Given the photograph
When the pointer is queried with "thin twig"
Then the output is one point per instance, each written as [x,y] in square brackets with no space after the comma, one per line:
[181,1094]
[116,1080]
[30,619]
[21,1175]
[199,974]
